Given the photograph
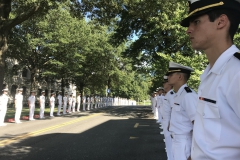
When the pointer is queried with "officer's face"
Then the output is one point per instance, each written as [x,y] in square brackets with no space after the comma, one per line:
[202,32]
[5,92]
[166,86]
[172,78]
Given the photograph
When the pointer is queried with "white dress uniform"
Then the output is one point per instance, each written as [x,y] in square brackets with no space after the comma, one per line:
[52,105]
[73,104]
[160,107]
[42,106]
[3,108]
[60,99]
[31,101]
[78,103]
[166,113]
[92,102]
[65,100]
[70,103]
[159,99]
[84,102]
[88,103]
[217,124]
[183,113]
[18,107]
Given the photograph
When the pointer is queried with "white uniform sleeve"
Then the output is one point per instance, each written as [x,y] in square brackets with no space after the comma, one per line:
[233,94]
[190,105]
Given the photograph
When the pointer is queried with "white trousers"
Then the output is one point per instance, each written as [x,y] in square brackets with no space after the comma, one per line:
[18,112]
[73,107]
[69,108]
[88,106]
[168,139]
[41,113]
[31,112]
[155,112]
[91,105]
[2,115]
[159,115]
[181,147]
[84,104]
[51,110]
[59,108]
[78,106]
[64,108]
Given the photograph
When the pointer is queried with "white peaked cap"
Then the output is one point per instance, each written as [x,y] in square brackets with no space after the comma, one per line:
[175,67]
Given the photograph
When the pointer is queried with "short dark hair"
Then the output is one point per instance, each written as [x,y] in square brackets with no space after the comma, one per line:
[232,16]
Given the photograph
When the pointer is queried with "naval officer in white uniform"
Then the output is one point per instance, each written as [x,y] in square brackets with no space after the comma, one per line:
[211,28]
[18,105]
[183,111]
[31,105]
[3,106]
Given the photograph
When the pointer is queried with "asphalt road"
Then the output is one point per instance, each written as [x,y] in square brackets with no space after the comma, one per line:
[112,133]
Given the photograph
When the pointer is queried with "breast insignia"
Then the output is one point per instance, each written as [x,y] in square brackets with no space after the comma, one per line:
[237,55]
[188,90]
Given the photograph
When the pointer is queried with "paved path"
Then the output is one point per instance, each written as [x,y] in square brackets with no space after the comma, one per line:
[113,133]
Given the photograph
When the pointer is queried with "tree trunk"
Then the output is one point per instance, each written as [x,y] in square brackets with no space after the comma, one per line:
[5,9]
[3,48]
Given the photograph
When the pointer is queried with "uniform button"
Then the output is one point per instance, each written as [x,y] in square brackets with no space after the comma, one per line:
[203,114]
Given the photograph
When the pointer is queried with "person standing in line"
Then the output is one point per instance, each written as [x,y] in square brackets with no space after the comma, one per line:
[153,101]
[31,105]
[42,105]
[52,104]
[166,114]
[159,104]
[60,99]
[211,26]
[78,102]
[70,103]
[183,110]
[3,106]
[84,102]
[88,103]
[18,105]
[65,102]
[92,101]
[73,103]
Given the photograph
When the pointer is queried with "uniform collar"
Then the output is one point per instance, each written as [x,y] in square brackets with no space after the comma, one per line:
[181,89]
[220,63]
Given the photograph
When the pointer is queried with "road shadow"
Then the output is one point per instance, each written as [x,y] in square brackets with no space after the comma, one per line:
[111,140]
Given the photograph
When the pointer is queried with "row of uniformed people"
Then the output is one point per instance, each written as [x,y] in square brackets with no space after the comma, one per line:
[207,126]
[62,102]
[175,111]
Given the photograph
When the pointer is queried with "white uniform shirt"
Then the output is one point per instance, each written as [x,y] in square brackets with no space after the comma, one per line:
[88,100]
[167,105]
[19,100]
[42,100]
[159,100]
[31,100]
[183,111]
[3,102]
[84,99]
[161,104]
[52,101]
[154,101]
[70,100]
[59,98]
[73,100]
[78,99]
[65,100]
[217,125]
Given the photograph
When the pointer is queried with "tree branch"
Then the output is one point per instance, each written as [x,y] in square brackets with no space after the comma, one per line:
[9,24]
